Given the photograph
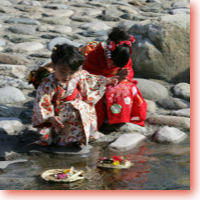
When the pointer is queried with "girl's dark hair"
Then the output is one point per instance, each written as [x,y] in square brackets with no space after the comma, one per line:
[120,56]
[69,55]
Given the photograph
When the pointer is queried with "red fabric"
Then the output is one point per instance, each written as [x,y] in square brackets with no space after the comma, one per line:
[96,63]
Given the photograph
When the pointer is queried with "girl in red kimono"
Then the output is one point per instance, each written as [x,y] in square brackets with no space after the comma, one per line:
[123,102]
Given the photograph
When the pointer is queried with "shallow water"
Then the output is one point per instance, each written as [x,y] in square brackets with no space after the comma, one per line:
[156,167]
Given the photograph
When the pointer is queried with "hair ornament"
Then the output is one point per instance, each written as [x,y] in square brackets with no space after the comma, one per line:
[53,52]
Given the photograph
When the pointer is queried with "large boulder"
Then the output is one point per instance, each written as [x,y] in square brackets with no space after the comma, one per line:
[162,48]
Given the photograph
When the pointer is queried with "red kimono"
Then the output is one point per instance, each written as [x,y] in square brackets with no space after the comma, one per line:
[121,103]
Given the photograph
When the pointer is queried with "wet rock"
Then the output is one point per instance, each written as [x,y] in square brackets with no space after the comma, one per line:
[151,90]
[124,127]
[5,164]
[61,40]
[13,82]
[5,111]
[12,59]
[169,135]
[26,116]
[183,122]
[126,142]
[95,26]
[30,3]
[26,47]
[16,71]
[182,112]
[22,29]
[22,21]
[10,125]
[11,95]
[182,90]
[173,103]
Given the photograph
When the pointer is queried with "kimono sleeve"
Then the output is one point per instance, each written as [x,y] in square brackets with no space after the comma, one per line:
[43,107]
[92,87]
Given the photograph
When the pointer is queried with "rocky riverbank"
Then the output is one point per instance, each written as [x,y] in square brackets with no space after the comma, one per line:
[161,62]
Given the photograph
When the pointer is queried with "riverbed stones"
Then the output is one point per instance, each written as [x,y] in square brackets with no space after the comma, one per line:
[5,3]
[30,3]
[59,13]
[182,90]
[16,71]
[181,112]
[10,125]
[5,111]
[22,29]
[23,21]
[175,121]
[173,103]
[11,95]
[12,59]
[169,135]
[26,47]
[95,26]
[126,142]
[151,90]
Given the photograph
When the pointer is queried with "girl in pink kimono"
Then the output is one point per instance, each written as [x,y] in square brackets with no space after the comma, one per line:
[64,109]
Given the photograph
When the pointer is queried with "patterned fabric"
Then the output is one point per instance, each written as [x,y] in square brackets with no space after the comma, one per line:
[74,103]
[121,103]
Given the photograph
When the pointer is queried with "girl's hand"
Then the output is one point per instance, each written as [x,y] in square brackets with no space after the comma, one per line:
[56,122]
[113,80]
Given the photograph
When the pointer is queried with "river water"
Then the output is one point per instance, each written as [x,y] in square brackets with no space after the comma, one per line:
[156,167]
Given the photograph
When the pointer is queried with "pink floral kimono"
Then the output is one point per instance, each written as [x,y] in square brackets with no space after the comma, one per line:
[74,103]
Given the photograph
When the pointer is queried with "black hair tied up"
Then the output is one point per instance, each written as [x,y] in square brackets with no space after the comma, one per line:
[67,55]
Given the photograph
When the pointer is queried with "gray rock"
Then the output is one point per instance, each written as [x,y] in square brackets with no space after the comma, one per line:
[30,3]
[93,33]
[5,111]
[81,19]
[22,29]
[90,12]
[61,40]
[151,106]
[120,3]
[169,135]
[13,82]
[12,59]
[22,21]
[129,10]
[10,125]
[25,47]
[152,7]
[16,71]
[56,20]
[183,122]
[182,90]
[182,112]
[173,103]
[151,90]
[11,95]
[59,13]
[19,39]
[4,164]
[108,18]
[30,9]
[180,5]
[126,142]
[95,26]
[157,48]
[133,17]
[124,127]
[5,3]
[179,11]
[56,6]
[2,42]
